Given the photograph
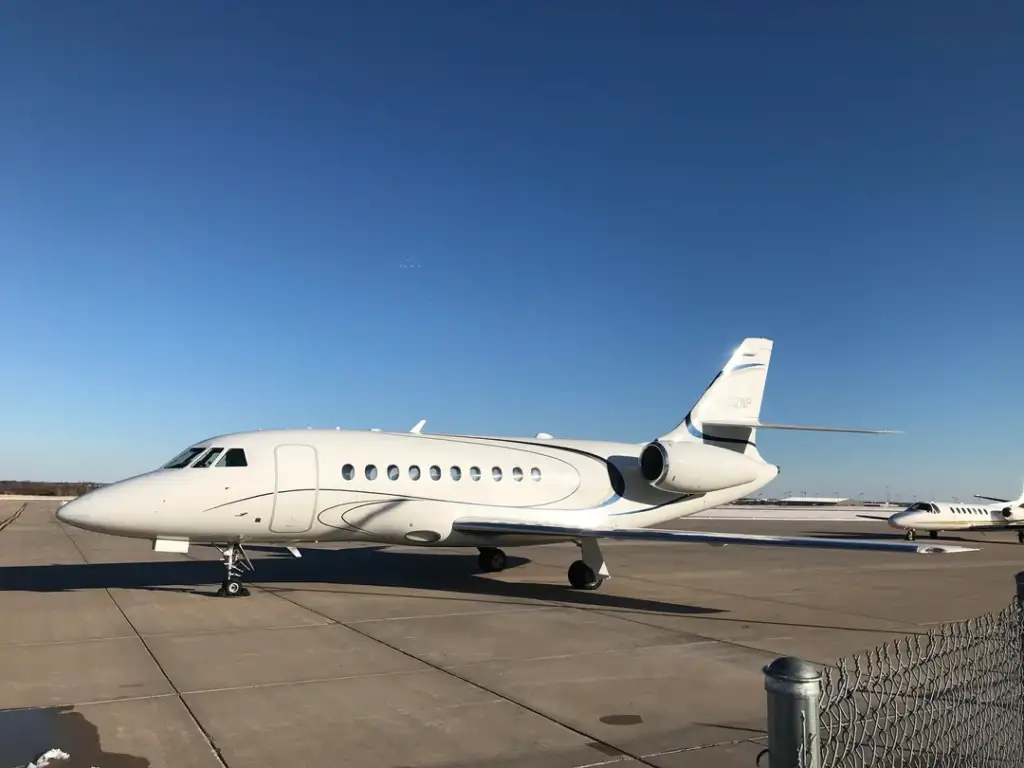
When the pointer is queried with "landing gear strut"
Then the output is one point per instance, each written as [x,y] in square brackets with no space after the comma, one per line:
[591,571]
[491,560]
[235,560]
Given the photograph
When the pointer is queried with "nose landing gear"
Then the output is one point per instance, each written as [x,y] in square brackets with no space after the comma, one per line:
[235,561]
[911,534]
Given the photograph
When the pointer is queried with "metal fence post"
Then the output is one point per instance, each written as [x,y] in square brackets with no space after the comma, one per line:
[794,694]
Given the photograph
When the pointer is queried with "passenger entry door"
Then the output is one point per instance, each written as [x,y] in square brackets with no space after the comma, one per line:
[296,488]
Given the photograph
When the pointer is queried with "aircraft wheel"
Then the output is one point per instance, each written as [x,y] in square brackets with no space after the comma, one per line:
[911,535]
[232,588]
[1020,536]
[582,576]
[933,534]
[491,560]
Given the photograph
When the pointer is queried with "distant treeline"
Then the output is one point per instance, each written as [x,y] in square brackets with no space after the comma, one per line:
[39,488]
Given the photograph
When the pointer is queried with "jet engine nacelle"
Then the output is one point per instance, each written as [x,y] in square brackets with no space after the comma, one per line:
[1013,514]
[695,467]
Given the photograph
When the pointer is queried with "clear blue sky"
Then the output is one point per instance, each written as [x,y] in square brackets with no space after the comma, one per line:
[510,217]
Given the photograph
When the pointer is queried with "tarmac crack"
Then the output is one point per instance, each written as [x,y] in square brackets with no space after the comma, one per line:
[7,521]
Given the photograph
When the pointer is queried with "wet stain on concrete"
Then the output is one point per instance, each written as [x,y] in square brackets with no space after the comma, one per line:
[622,719]
[605,749]
[25,734]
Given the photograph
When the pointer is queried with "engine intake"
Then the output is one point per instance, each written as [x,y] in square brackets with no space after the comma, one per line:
[695,467]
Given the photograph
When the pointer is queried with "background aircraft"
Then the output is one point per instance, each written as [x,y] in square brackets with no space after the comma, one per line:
[938,516]
[410,488]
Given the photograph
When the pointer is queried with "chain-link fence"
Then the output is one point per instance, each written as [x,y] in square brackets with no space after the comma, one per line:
[951,697]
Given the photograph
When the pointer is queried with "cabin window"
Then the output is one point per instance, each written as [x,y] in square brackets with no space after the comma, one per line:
[207,458]
[414,472]
[456,473]
[496,473]
[371,472]
[535,474]
[517,474]
[348,472]
[474,473]
[392,472]
[184,458]
[435,472]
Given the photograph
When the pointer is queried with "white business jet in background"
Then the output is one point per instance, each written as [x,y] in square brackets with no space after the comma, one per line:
[286,487]
[938,516]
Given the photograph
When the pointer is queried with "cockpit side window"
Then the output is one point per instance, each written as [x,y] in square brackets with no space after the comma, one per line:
[208,458]
[184,458]
[233,457]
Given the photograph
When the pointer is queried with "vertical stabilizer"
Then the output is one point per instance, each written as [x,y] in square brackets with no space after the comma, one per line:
[735,394]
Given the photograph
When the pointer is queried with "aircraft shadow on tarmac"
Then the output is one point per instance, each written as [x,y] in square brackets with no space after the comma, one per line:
[364,566]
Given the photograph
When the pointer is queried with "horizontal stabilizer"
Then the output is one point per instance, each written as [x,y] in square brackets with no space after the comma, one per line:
[472,525]
[756,424]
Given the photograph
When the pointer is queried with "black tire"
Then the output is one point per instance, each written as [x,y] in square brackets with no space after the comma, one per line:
[582,576]
[492,560]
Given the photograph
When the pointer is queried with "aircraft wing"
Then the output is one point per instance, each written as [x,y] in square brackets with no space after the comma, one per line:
[990,498]
[477,525]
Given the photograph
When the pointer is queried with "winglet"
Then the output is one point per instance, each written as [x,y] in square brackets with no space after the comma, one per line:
[419,426]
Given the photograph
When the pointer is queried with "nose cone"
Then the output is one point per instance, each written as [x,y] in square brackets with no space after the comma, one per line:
[899,519]
[77,512]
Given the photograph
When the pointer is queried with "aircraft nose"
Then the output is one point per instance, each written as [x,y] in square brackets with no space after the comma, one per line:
[82,512]
[73,512]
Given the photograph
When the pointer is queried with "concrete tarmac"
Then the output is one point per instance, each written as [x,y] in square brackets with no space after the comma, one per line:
[397,657]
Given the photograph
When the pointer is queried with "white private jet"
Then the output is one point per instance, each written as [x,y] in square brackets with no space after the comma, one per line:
[938,516]
[286,487]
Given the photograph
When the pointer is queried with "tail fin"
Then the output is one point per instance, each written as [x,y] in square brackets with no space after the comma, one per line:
[728,414]
[735,394]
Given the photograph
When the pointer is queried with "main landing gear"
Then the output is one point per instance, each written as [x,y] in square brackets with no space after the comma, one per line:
[235,560]
[587,573]
[491,560]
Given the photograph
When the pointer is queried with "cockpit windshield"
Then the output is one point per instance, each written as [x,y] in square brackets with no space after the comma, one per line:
[208,458]
[921,506]
[184,458]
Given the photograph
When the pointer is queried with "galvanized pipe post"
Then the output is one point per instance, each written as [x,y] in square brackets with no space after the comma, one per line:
[794,695]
